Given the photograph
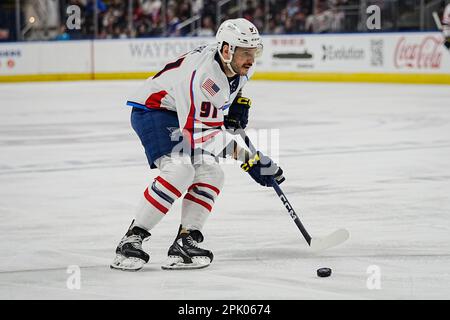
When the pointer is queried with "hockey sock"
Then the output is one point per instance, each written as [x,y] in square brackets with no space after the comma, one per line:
[158,198]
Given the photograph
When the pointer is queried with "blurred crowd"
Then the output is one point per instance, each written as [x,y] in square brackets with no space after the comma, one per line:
[167,18]
[148,18]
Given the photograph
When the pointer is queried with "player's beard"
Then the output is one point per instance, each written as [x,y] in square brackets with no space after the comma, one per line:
[240,70]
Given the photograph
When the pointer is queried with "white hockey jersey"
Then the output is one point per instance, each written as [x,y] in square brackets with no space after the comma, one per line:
[196,87]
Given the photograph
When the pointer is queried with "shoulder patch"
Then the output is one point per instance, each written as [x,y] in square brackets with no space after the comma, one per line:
[211,87]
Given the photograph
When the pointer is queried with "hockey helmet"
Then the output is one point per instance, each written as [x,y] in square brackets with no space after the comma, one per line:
[238,33]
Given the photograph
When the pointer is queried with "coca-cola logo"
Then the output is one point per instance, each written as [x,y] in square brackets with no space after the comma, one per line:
[423,55]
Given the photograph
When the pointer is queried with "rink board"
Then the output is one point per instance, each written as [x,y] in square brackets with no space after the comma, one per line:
[369,57]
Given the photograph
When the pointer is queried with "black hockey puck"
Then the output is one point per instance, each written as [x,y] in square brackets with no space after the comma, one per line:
[324,272]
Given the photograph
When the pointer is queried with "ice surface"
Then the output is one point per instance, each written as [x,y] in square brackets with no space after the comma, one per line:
[372,158]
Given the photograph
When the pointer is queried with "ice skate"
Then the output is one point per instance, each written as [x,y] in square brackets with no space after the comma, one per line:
[184,253]
[129,253]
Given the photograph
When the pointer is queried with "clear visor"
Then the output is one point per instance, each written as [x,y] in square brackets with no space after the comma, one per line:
[248,53]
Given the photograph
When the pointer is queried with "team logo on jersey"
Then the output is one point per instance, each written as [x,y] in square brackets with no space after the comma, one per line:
[210,87]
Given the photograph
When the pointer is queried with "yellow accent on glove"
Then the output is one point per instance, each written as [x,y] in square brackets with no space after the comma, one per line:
[244,101]
[250,163]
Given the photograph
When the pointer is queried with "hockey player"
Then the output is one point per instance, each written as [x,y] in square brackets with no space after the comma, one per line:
[446,26]
[190,103]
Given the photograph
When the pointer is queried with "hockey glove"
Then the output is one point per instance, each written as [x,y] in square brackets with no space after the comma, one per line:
[263,170]
[237,117]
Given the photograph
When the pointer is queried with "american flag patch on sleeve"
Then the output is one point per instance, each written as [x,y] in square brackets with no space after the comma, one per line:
[210,87]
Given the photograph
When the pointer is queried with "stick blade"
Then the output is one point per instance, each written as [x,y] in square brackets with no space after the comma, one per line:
[332,240]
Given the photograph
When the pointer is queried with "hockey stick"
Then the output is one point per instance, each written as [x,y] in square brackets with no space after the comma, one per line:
[316,243]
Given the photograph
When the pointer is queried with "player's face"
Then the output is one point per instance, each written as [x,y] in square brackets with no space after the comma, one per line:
[243,59]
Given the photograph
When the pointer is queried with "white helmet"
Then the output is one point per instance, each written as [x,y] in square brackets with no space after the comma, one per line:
[238,33]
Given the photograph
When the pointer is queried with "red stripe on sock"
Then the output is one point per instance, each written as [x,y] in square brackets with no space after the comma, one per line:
[169,187]
[155,203]
[201,184]
[207,137]
[188,196]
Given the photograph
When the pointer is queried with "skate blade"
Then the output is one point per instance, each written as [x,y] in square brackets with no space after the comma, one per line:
[176,263]
[127,264]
